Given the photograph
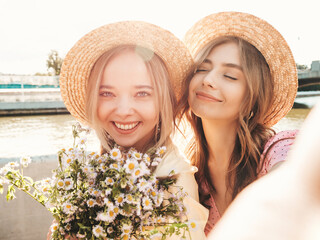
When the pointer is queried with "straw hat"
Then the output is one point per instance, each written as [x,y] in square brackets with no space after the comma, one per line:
[81,58]
[266,39]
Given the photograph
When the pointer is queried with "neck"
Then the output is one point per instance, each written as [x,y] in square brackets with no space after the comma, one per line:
[220,136]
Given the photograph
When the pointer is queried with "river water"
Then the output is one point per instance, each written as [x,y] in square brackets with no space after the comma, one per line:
[44,135]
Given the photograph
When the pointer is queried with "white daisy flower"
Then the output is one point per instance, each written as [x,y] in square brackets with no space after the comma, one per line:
[102,216]
[138,172]
[146,159]
[107,191]
[96,192]
[60,184]
[109,181]
[68,183]
[161,150]
[129,198]
[98,231]
[54,227]
[68,208]
[114,166]
[88,169]
[130,165]
[82,140]
[68,227]
[125,236]
[126,228]
[103,167]
[111,215]
[11,165]
[91,202]
[115,154]
[147,203]
[154,164]
[193,225]
[45,188]
[119,199]
[24,161]
[136,155]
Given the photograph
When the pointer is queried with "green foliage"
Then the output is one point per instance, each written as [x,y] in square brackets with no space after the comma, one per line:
[54,62]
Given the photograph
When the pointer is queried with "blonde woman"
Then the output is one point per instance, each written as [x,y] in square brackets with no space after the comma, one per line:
[244,82]
[124,81]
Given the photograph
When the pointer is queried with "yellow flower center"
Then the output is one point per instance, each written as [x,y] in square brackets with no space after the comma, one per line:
[131,166]
[98,230]
[116,210]
[115,165]
[55,228]
[68,206]
[68,183]
[120,199]
[137,155]
[193,225]
[111,213]
[137,172]
[109,180]
[153,193]
[60,183]
[114,154]
[69,160]
[125,237]
[147,202]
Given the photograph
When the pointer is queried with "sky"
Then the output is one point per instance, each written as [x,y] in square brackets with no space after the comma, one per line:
[30,29]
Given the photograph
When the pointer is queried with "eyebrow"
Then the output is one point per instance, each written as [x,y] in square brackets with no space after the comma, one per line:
[232,65]
[137,86]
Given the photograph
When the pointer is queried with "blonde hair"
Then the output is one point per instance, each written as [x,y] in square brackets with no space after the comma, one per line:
[165,98]
[252,134]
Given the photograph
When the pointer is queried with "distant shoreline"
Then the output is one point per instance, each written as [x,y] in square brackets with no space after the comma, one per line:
[35,159]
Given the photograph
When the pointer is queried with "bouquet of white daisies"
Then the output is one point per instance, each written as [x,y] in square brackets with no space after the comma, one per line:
[110,196]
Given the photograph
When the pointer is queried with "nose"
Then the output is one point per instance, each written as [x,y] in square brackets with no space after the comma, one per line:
[124,107]
[210,80]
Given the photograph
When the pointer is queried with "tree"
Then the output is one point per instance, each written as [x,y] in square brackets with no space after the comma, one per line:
[54,62]
[301,67]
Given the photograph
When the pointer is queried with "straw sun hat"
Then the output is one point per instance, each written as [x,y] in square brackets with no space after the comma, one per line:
[81,58]
[266,39]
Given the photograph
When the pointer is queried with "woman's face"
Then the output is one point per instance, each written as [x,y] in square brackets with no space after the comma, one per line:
[219,85]
[127,101]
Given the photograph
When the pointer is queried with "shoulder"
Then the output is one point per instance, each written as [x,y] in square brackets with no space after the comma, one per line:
[276,149]
[176,161]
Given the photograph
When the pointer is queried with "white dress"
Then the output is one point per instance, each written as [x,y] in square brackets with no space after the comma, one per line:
[174,160]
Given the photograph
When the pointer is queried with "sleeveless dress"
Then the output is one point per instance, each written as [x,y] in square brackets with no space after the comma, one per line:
[275,151]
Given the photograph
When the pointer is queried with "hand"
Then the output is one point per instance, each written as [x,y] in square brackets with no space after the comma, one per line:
[285,204]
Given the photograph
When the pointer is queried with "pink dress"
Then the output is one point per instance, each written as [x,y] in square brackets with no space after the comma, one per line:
[275,151]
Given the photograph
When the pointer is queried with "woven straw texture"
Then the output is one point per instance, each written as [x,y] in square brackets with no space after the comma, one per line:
[81,58]
[266,39]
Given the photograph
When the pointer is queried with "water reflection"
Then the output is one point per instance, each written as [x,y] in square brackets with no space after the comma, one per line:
[42,135]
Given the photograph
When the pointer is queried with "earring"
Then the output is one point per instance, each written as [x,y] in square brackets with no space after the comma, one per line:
[250,115]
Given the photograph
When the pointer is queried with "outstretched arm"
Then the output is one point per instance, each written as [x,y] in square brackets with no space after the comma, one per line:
[285,204]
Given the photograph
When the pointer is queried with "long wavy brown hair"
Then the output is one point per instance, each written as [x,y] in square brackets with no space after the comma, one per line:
[252,134]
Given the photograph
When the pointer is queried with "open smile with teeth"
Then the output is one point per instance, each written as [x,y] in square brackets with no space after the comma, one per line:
[126,126]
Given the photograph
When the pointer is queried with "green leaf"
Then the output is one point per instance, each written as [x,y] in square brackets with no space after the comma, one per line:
[83,227]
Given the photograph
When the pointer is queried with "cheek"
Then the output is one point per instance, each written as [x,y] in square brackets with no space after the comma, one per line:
[103,110]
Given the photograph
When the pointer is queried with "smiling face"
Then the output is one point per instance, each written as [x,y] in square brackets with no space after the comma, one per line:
[127,107]
[218,87]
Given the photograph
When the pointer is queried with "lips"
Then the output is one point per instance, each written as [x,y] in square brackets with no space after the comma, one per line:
[207,97]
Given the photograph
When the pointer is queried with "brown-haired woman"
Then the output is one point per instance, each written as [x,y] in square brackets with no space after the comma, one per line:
[244,82]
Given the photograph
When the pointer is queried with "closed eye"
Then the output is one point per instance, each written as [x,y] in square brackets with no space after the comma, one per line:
[228,76]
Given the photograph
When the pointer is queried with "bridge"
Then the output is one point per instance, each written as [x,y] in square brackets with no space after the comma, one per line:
[311,76]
